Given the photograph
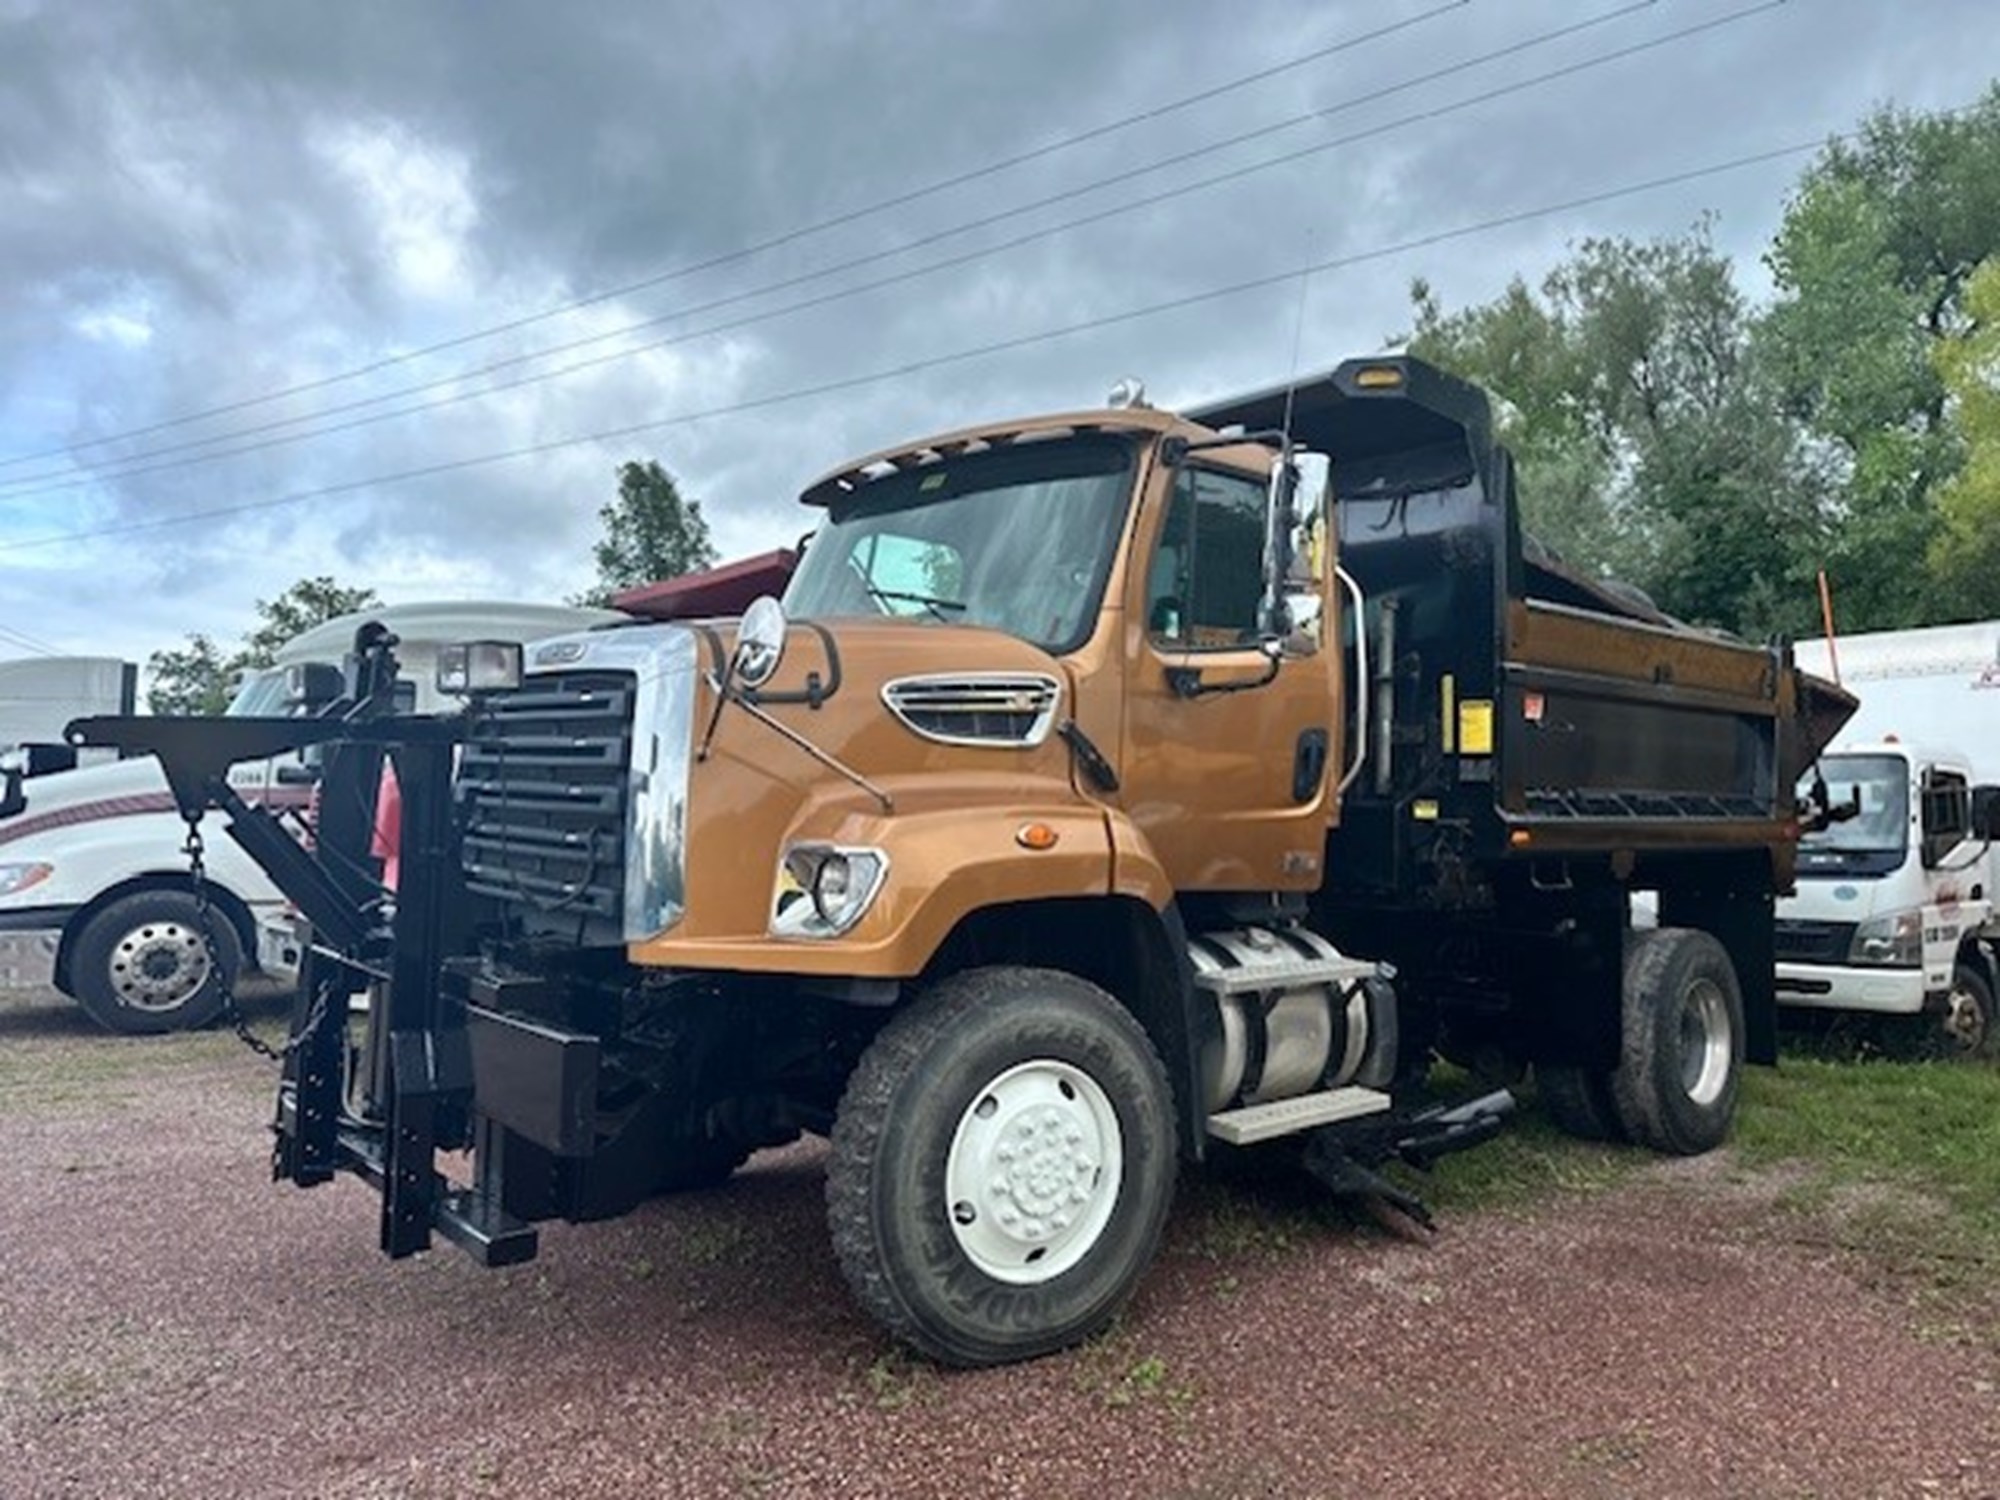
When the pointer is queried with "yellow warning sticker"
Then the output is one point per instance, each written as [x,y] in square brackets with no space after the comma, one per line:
[1475,726]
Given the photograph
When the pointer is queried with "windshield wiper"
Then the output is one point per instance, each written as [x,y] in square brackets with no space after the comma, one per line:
[936,606]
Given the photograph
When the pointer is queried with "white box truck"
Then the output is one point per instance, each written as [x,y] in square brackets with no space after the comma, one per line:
[95,894]
[1895,910]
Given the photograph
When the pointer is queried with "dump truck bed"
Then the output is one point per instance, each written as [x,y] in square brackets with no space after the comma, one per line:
[1517,708]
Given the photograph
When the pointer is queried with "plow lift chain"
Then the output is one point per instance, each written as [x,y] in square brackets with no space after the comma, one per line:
[232,1010]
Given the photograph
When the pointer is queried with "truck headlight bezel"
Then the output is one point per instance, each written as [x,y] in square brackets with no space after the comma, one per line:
[824,889]
[1894,940]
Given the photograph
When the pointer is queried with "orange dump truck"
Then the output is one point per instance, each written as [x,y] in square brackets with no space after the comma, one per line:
[1093,804]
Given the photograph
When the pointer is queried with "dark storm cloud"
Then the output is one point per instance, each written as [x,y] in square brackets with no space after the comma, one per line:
[206,203]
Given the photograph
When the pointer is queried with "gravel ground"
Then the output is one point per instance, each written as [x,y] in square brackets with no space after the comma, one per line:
[173,1324]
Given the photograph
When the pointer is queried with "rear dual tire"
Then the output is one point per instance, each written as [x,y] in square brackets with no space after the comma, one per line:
[1680,1058]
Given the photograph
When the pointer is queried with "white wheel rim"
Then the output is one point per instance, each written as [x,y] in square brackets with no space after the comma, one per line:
[1706,1045]
[159,966]
[1033,1172]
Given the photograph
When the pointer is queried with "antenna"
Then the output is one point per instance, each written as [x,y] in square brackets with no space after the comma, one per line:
[1826,617]
[1279,503]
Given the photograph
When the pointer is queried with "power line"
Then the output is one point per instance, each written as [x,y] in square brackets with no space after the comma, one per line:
[57,481]
[915,367]
[28,642]
[791,236]
[771,314]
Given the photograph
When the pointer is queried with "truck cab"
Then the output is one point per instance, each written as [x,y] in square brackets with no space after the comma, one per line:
[1894,911]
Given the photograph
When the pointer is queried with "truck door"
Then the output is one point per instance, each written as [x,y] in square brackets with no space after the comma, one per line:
[1227,755]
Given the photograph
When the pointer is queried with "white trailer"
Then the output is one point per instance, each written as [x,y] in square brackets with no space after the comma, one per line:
[40,694]
[95,892]
[1895,910]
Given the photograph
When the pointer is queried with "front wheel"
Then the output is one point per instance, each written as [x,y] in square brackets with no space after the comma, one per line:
[154,961]
[1971,1028]
[1681,1060]
[1003,1161]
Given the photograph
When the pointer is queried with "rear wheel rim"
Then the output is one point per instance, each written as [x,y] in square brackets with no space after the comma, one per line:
[1706,1046]
[158,966]
[1033,1172]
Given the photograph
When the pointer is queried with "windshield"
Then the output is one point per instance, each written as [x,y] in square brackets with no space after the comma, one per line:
[1883,824]
[1018,539]
[259,695]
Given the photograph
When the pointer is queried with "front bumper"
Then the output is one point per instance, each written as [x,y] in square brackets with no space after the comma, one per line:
[282,940]
[1893,992]
[29,942]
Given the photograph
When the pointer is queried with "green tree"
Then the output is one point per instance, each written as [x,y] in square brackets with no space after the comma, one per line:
[651,532]
[309,602]
[1649,441]
[192,679]
[1965,550]
[1873,263]
[198,679]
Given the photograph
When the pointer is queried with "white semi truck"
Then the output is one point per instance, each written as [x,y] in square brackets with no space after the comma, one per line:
[95,894]
[1895,910]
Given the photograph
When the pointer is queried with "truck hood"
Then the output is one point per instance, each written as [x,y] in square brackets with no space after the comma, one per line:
[71,792]
[1846,898]
[118,789]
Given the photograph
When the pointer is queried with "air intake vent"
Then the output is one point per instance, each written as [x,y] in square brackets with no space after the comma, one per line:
[977,708]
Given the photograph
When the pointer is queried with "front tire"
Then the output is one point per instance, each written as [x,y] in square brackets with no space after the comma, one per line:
[143,965]
[1971,1027]
[1680,1064]
[1003,1161]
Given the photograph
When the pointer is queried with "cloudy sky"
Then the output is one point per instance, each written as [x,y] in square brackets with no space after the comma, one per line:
[388,290]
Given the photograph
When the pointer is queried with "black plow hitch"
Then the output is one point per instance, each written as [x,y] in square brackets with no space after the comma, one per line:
[415,1079]
[1344,1158]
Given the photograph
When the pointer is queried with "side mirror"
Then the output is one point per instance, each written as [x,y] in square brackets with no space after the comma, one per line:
[1273,616]
[1986,813]
[311,685]
[760,642]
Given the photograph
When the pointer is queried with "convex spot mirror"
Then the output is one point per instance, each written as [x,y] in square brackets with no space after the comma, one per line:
[760,641]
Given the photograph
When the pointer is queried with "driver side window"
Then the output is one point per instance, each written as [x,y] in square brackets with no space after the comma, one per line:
[1208,570]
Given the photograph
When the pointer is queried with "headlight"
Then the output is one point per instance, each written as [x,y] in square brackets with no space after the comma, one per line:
[15,879]
[824,890]
[1894,941]
[479,667]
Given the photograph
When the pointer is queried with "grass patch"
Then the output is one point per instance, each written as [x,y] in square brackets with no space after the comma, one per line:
[1528,1162]
[1932,1126]
[1874,1129]
[53,1073]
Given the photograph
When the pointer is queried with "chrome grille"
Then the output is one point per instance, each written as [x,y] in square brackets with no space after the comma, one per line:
[977,708]
[1803,942]
[544,788]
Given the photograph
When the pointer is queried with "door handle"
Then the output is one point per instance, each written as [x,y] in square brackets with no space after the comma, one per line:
[1308,764]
